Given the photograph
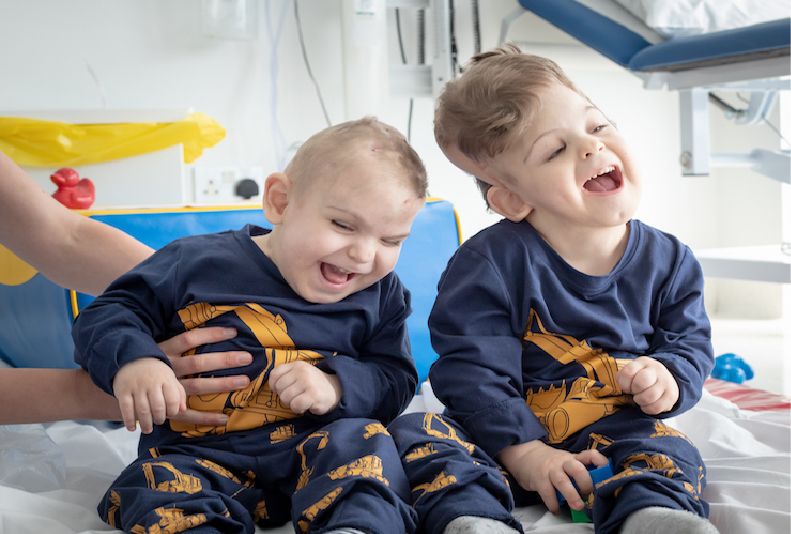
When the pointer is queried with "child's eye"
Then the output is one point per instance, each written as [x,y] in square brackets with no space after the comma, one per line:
[556,153]
[392,242]
[342,225]
[599,128]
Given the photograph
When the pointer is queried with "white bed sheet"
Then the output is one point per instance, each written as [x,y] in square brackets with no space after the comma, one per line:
[52,476]
[674,18]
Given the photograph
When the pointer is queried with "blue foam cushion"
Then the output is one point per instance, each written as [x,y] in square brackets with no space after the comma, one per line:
[36,326]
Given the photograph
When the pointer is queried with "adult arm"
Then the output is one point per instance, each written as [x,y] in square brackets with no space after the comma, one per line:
[44,395]
[81,253]
[68,248]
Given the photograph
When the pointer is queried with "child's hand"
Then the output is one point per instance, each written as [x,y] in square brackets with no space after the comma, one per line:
[650,383]
[303,387]
[148,392]
[544,469]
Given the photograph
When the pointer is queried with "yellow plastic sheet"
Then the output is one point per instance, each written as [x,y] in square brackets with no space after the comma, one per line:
[38,143]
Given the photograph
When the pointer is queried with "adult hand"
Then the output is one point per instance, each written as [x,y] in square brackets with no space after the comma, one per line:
[539,467]
[185,367]
[650,383]
[303,387]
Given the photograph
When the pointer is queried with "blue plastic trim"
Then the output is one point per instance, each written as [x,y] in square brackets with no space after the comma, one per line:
[717,47]
[603,34]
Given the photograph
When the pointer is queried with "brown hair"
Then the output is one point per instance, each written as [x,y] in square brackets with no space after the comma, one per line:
[491,103]
[338,146]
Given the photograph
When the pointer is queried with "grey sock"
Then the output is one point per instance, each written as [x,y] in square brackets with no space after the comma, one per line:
[345,531]
[477,525]
[658,520]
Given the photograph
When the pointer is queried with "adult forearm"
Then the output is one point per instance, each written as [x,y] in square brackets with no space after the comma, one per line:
[70,249]
[42,395]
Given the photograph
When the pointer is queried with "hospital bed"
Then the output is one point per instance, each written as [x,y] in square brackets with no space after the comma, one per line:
[646,38]
[52,476]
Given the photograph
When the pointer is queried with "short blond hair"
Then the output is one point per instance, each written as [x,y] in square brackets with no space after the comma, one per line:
[339,146]
[491,104]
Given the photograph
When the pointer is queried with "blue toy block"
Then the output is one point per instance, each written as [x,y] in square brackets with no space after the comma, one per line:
[597,474]
[732,368]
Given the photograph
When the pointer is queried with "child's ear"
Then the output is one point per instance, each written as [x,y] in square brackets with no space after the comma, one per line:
[277,191]
[507,203]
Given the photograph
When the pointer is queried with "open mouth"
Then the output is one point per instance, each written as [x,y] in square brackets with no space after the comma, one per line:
[335,275]
[606,180]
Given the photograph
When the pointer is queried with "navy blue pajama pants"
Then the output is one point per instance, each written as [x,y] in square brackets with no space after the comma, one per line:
[344,474]
[655,465]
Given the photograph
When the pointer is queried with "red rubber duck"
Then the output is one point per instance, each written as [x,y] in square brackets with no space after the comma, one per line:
[73,192]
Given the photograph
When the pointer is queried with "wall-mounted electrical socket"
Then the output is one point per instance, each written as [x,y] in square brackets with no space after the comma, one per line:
[219,185]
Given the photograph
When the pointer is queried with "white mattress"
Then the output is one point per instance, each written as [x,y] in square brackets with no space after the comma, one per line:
[673,18]
[52,476]
[658,20]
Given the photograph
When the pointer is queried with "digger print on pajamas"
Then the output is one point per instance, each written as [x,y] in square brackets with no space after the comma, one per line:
[529,349]
[266,465]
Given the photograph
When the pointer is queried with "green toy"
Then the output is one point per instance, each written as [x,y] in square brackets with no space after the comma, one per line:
[597,474]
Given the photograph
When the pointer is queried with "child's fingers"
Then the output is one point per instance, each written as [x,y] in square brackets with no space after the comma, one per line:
[628,377]
[158,406]
[663,404]
[625,376]
[546,490]
[579,473]
[290,393]
[643,380]
[143,411]
[301,403]
[283,379]
[592,456]
[571,495]
[174,400]
[649,395]
[276,373]
[573,469]
[126,403]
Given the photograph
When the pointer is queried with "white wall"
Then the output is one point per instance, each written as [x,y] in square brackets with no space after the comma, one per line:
[153,54]
[127,54]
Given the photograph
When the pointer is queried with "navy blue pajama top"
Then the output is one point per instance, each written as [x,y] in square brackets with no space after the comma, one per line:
[224,279]
[529,346]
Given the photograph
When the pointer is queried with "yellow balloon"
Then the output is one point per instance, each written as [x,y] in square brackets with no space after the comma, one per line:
[14,271]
